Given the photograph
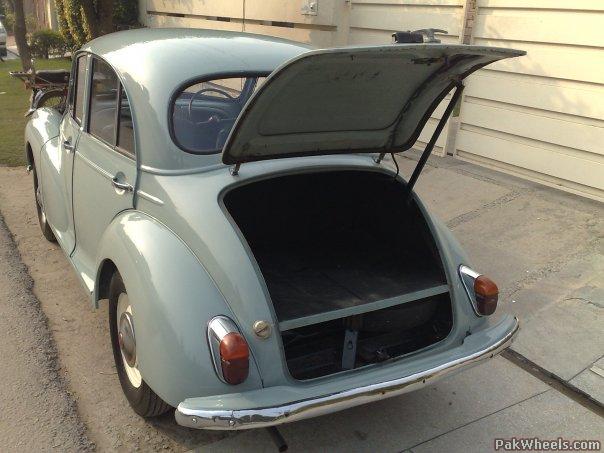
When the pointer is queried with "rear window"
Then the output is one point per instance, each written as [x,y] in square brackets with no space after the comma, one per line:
[204,113]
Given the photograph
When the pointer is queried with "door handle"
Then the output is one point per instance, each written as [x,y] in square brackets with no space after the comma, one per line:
[68,146]
[121,185]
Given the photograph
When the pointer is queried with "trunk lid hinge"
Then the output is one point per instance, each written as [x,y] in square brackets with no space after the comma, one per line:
[379,159]
[234,170]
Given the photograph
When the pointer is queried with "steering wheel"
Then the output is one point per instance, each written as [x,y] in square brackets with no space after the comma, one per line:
[206,90]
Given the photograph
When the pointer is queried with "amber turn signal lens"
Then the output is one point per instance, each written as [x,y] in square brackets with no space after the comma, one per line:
[234,357]
[487,294]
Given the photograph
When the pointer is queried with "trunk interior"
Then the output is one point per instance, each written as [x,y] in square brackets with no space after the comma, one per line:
[351,267]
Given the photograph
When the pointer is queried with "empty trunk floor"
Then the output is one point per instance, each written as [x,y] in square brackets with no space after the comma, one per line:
[306,280]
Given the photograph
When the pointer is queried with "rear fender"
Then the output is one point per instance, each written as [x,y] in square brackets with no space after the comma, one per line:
[454,255]
[42,126]
[172,298]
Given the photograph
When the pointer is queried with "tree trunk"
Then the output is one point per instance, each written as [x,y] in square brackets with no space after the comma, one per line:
[20,35]
[105,15]
[91,18]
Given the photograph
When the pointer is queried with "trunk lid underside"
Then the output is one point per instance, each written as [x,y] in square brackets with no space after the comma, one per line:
[356,99]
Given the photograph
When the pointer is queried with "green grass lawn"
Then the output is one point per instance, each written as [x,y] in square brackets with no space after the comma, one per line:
[14,102]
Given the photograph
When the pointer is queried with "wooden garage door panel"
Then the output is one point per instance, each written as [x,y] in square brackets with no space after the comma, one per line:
[318,38]
[569,27]
[233,8]
[412,2]
[401,17]
[572,98]
[562,62]
[193,22]
[587,5]
[563,166]
[534,126]
[428,130]
[289,11]
[367,36]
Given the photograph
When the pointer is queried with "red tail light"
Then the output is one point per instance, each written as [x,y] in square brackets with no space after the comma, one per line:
[487,294]
[234,358]
[481,290]
[230,352]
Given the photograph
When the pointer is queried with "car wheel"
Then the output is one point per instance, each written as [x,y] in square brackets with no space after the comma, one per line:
[143,400]
[44,226]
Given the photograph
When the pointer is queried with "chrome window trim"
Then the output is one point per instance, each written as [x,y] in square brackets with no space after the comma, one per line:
[467,276]
[72,97]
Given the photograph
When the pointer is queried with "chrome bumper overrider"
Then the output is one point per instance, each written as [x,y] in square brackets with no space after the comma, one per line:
[224,419]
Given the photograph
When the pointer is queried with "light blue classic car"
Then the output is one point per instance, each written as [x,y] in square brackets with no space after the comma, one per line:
[227,194]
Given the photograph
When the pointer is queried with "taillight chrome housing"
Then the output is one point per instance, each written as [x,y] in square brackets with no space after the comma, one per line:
[230,352]
[481,290]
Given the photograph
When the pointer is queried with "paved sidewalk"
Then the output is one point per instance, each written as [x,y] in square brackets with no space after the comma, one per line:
[462,413]
[544,248]
[34,392]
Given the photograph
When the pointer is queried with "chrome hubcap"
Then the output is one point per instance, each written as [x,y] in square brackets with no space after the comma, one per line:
[127,340]
[40,204]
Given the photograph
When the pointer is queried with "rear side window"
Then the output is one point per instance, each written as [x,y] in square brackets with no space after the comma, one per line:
[80,89]
[125,132]
[103,102]
[204,113]
[110,117]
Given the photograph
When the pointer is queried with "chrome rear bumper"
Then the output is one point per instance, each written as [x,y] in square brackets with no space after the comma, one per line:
[224,419]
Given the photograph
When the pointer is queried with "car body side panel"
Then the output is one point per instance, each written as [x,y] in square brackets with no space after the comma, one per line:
[173,299]
[54,171]
[95,200]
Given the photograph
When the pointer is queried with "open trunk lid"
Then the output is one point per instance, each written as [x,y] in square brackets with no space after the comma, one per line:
[355,99]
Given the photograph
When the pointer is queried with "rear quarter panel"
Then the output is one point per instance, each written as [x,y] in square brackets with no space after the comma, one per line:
[172,298]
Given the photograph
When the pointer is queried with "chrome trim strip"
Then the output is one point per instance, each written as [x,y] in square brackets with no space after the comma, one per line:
[149,197]
[465,271]
[94,166]
[269,416]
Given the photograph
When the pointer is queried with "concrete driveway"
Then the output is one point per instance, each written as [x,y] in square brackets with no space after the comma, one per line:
[543,247]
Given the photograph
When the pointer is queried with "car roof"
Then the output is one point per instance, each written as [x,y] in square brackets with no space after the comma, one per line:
[166,50]
[153,63]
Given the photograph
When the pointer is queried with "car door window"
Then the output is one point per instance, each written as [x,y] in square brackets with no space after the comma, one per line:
[80,89]
[125,131]
[103,102]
